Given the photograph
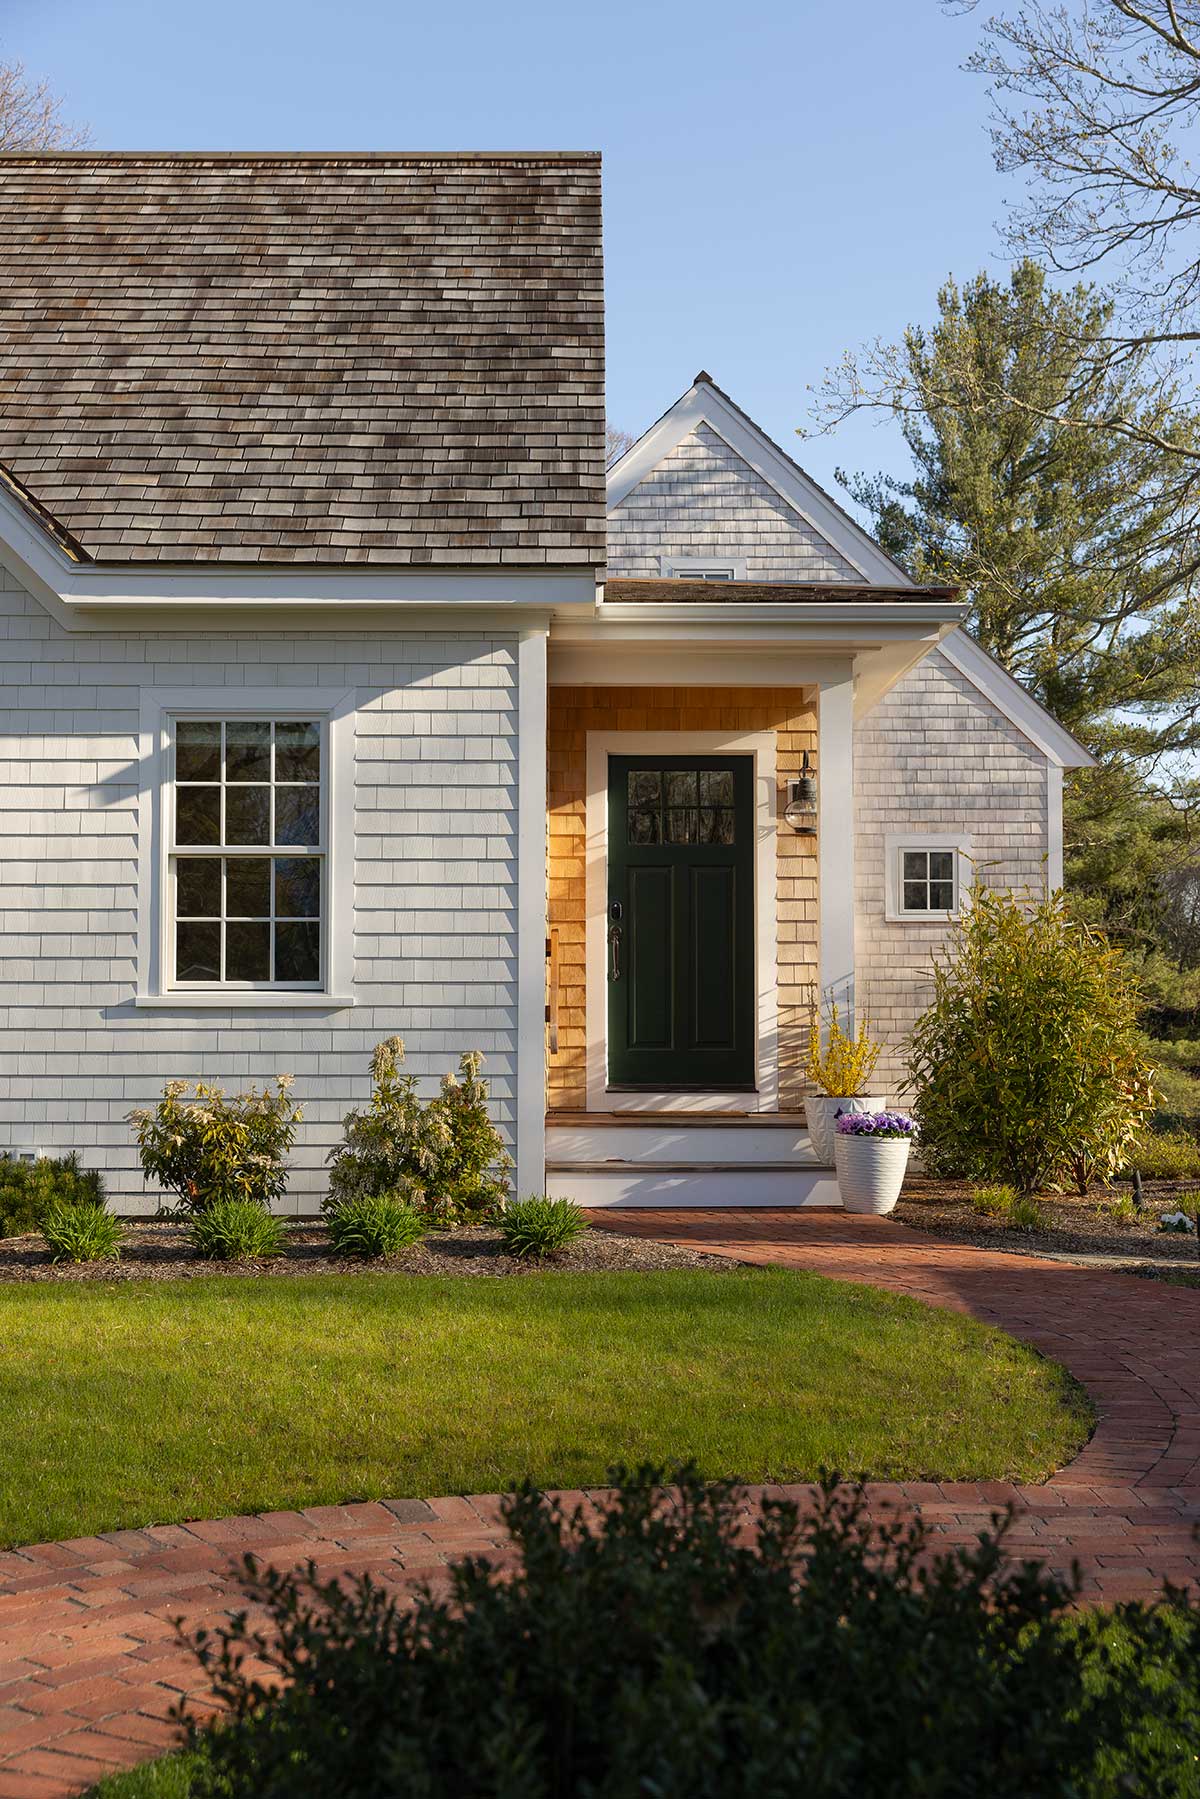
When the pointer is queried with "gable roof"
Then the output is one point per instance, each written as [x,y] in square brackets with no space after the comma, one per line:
[706,403]
[271,359]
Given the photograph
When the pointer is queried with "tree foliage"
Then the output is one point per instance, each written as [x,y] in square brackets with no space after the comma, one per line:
[1028,1066]
[31,115]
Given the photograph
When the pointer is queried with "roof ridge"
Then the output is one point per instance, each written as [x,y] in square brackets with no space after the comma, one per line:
[300,156]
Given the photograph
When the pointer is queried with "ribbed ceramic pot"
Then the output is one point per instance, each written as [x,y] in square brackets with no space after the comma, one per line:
[870,1171]
[822,1111]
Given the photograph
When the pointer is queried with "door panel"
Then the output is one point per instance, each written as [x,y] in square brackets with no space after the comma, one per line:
[681,988]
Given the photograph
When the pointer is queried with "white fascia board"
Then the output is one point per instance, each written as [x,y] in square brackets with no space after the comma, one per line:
[704,405]
[84,595]
[1019,707]
[910,616]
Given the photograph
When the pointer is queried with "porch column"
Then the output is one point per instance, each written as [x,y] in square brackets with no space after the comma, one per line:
[835,773]
[530,1175]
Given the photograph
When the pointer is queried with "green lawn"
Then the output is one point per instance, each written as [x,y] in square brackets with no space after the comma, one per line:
[133,1403]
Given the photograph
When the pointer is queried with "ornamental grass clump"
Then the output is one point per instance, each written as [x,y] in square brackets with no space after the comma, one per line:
[206,1146]
[29,1189]
[375,1224]
[78,1231]
[1028,1068]
[842,1064]
[994,1200]
[541,1226]
[237,1230]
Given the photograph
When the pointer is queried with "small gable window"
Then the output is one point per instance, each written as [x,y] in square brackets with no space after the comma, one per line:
[698,568]
[925,878]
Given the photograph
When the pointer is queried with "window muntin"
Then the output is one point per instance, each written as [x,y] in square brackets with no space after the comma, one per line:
[928,880]
[246,874]
[680,805]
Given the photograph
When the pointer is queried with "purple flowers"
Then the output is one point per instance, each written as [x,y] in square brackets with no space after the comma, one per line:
[876,1124]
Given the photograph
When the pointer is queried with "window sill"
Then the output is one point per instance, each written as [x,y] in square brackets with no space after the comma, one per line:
[926,918]
[241,1000]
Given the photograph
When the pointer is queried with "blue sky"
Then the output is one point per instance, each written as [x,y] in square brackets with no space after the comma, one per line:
[781,181]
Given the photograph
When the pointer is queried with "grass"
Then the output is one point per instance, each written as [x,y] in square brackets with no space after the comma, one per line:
[131,1403]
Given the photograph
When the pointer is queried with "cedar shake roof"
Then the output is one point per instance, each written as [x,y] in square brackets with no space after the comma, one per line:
[677,590]
[305,359]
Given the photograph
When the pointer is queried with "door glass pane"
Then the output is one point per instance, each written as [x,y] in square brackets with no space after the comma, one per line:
[297,752]
[197,750]
[298,815]
[681,786]
[248,952]
[198,952]
[247,751]
[644,786]
[248,887]
[198,815]
[716,787]
[298,952]
[198,887]
[681,824]
[247,815]
[716,824]
[644,826]
[298,887]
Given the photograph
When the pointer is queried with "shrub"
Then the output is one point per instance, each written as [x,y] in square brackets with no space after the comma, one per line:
[237,1230]
[446,1157]
[670,1648]
[375,1224]
[538,1226]
[994,1200]
[28,1189]
[214,1146]
[1027,1067]
[1164,1156]
[844,1064]
[78,1231]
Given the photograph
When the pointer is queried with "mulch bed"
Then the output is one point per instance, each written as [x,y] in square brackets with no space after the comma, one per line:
[158,1250]
[1075,1227]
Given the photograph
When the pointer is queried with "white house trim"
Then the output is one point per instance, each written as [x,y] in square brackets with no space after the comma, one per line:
[705,404]
[761,745]
[531,914]
[835,842]
[1054,826]
[336,707]
[1010,698]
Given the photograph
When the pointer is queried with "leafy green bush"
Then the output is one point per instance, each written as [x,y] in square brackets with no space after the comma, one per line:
[78,1231]
[994,1200]
[28,1189]
[237,1230]
[538,1226]
[668,1650]
[375,1224]
[1164,1156]
[1027,1067]
[216,1146]
[446,1157]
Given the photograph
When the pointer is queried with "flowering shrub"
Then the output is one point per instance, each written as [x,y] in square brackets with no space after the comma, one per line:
[215,1146]
[876,1124]
[844,1064]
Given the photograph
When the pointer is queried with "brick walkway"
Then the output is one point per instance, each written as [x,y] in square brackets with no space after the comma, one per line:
[88,1661]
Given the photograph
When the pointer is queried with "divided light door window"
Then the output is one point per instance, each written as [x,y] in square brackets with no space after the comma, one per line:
[246,850]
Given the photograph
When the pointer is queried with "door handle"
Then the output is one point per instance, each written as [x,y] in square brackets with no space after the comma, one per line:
[614,946]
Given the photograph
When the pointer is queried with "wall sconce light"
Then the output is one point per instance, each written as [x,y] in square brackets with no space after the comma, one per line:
[801,809]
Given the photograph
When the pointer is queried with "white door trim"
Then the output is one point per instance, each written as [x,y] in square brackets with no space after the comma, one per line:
[761,745]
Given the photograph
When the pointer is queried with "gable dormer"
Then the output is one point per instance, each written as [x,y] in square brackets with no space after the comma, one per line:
[705,494]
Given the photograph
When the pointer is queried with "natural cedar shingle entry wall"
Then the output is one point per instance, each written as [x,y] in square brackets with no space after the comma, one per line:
[572,713]
[341,359]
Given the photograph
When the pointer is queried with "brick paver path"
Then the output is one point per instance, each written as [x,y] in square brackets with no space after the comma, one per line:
[88,1661]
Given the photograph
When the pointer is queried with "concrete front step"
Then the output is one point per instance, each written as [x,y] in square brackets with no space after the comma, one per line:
[651,1184]
[679,1159]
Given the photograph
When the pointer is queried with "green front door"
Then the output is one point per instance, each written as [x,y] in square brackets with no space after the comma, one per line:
[680,921]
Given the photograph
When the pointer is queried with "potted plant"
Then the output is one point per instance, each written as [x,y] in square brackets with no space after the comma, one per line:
[841,1067]
[871,1155]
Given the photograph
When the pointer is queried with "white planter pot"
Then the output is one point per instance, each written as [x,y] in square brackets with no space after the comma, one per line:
[822,1112]
[870,1171]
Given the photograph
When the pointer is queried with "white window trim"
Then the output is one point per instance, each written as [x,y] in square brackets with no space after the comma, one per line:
[160,706]
[684,567]
[894,847]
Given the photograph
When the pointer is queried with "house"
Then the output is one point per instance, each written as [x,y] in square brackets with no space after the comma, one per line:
[341,701]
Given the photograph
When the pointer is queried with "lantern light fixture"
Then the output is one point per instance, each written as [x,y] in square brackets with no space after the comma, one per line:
[801,810]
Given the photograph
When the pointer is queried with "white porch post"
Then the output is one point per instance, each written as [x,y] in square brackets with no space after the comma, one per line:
[835,774]
[531,913]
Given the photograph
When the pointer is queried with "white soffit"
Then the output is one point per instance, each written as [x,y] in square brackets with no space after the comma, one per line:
[705,404]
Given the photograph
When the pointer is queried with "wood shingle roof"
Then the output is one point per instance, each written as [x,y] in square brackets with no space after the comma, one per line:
[306,359]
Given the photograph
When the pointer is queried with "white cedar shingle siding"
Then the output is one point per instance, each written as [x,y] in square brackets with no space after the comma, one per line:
[935,756]
[703,501]
[435,881]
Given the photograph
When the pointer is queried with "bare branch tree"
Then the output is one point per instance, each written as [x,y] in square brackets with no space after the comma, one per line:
[31,115]
[618,442]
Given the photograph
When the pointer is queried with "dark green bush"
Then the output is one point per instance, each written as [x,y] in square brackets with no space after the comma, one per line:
[77,1231]
[27,1189]
[237,1230]
[538,1226]
[379,1224]
[664,1651]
